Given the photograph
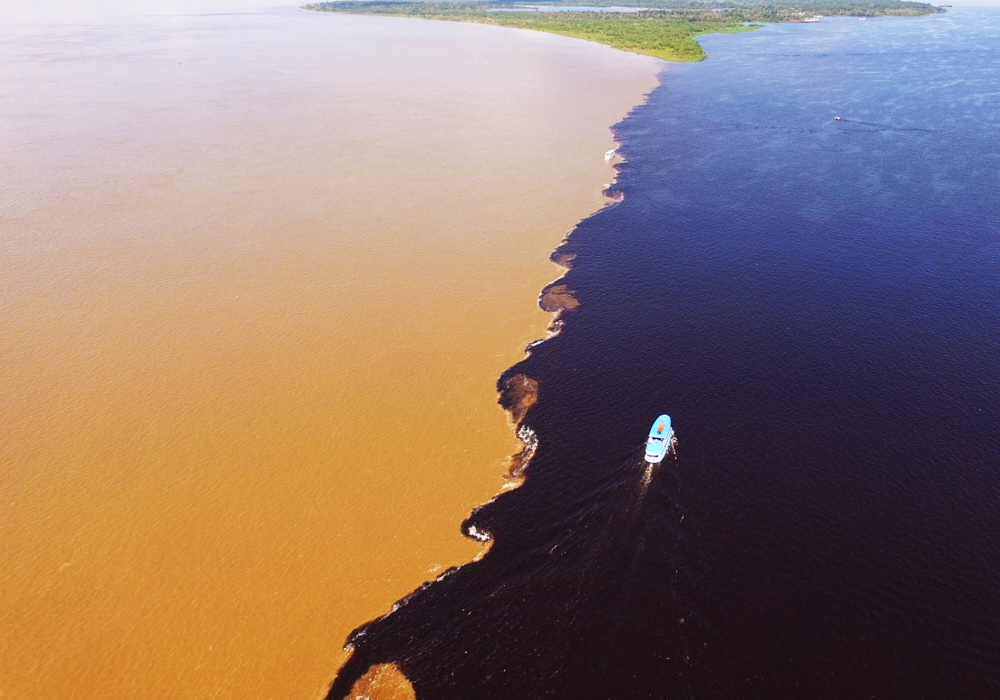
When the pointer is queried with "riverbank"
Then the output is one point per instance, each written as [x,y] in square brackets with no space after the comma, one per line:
[663,35]
[664,29]
[254,322]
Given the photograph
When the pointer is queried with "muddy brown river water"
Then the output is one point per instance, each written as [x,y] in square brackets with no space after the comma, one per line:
[259,272]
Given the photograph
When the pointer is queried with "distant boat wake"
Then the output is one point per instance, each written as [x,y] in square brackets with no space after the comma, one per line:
[875,126]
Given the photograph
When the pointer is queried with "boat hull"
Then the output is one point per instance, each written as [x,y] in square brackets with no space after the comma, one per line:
[656,452]
[661,435]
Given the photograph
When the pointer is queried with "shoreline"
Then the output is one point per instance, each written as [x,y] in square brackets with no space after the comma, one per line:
[674,40]
[667,33]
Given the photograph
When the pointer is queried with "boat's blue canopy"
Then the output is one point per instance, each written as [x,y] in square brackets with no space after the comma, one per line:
[661,427]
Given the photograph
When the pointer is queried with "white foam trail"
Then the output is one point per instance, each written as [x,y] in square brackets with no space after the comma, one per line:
[530,439]
[476,534]
[647,477]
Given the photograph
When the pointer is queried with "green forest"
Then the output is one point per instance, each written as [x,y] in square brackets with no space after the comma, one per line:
[661,28]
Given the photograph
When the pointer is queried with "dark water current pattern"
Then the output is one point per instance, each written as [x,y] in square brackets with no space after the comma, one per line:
[817,305]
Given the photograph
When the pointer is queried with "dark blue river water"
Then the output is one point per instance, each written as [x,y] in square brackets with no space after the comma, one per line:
[817,305]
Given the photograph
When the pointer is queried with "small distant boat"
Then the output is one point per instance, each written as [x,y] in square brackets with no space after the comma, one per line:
[838,119]
[660,437]
[811,19]
[610,154]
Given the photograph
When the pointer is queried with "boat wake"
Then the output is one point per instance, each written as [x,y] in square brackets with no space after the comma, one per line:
[651,469]
[875,126]
[647,477]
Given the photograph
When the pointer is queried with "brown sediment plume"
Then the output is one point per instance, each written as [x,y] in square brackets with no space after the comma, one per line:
[557,298]
[518,393]
[563,259]
[383,682]
[253,320]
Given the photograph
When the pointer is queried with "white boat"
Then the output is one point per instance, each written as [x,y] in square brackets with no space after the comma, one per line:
[610,154]
[660,437]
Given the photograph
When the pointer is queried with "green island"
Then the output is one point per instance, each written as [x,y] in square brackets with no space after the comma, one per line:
[662,28]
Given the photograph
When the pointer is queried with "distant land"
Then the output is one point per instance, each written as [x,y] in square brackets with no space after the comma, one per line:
[659,28]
